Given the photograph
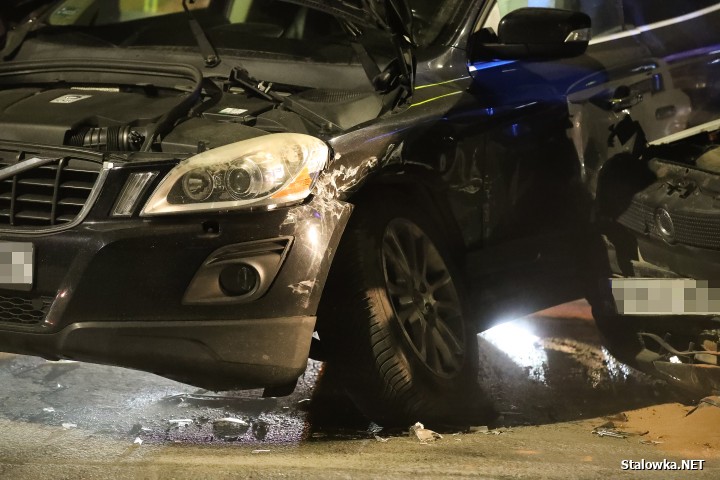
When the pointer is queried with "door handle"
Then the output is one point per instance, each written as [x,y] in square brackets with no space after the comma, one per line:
[623,98]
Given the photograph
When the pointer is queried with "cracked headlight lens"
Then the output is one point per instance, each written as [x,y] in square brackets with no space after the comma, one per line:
[270,170]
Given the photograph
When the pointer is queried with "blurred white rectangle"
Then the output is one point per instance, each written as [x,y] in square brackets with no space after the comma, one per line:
[16,265]
[665,296]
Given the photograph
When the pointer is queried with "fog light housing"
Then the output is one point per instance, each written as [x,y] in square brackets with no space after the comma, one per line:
[239,279]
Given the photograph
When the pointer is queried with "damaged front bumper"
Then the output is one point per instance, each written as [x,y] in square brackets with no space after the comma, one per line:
[148,294]
[679,367]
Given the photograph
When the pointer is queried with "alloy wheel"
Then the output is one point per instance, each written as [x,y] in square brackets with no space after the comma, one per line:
[424,298]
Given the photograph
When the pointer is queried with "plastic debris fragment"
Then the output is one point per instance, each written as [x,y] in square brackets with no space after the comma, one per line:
[68,426]
[261,451]
[230,428]
[480,429]
[180,422]
[604,432]
[138,441]
[374,428]
[650,442]
[423,434]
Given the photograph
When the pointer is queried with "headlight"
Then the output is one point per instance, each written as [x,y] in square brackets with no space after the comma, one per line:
[269,170]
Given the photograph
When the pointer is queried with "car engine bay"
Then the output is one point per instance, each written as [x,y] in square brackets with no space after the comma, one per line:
[132,107]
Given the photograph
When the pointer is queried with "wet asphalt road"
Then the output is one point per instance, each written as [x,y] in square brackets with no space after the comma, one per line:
[545,373]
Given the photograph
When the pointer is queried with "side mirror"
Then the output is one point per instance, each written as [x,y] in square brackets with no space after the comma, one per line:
[534,33]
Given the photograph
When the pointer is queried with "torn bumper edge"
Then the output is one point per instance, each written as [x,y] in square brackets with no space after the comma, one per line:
[698,378]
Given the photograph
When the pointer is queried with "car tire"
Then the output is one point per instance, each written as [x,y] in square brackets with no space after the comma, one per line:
[396,327]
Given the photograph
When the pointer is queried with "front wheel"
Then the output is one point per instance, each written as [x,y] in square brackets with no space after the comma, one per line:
[393,319]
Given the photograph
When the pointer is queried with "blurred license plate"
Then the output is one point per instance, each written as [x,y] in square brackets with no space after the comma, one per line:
[665,296]
[16,265]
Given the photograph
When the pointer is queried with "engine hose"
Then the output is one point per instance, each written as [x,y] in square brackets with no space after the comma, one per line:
[109,139]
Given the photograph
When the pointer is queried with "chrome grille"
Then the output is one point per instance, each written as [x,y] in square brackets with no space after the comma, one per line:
[696,229]
[50,195]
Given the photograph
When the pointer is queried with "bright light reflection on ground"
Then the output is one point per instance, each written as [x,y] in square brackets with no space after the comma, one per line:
[523,347]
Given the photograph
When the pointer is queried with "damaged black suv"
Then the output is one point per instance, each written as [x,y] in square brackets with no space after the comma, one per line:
[213,190]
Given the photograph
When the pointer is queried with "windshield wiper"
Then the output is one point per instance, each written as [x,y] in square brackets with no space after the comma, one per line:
[241,77]
[208,52]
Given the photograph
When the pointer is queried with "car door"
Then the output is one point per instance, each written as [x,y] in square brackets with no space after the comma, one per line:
[555,123]
[534,208]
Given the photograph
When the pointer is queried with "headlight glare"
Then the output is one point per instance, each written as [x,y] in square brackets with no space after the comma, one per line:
[263,171]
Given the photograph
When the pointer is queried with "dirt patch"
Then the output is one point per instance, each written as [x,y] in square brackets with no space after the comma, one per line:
[691,432]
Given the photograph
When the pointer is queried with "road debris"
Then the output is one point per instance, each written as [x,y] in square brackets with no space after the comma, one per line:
[618,417]
[48,409]
[137,429]
[604,432]
[713,401]
[261,451]
[230,428]
[68,426]
[486,431]
[423,434]
[480,429]
[650,442]
[374,428]
[260,429]
[138,441]
[180,422]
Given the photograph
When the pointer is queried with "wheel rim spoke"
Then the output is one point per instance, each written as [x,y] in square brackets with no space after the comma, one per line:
[412,253]
[402,292]
[422,259]
[448,337]
[448,306]
[439,283]
[446,357]
[422,338]
[396,255]
[423,297]
[433,358]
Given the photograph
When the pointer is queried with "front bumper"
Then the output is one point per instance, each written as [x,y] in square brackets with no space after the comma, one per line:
[117,292]
[217,355]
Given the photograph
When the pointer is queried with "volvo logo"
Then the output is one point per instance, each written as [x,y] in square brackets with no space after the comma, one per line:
[664,224]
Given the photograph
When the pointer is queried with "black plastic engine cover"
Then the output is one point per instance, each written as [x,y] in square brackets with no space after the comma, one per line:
[45,116]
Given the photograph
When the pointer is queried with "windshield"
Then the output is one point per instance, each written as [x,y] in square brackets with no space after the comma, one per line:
[261,26]
[230,24]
